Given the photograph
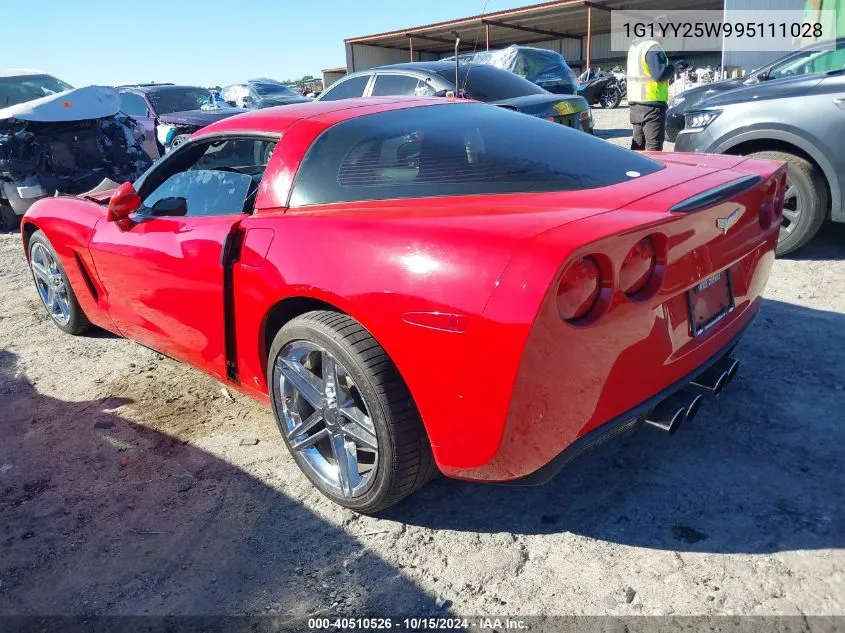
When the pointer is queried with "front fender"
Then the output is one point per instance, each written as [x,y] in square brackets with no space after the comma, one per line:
[69,225]
[816,148]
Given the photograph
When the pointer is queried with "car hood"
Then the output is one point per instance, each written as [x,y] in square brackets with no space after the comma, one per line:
[545,104]
[200,118]
[779,89]
[80,104]
[694,96]
[269,102]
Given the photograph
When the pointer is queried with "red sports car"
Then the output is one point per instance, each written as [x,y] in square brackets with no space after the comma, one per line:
[418,285]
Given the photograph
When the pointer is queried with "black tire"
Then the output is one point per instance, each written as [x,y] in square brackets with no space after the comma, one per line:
[812,190]
[610,98]
[8,220]
[78,323]
[405,459]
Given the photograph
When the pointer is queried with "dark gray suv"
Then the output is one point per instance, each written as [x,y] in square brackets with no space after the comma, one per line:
[798,120]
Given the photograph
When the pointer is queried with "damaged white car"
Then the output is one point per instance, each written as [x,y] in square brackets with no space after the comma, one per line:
[57,139]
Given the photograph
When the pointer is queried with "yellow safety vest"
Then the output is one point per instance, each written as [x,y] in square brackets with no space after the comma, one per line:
[642,87]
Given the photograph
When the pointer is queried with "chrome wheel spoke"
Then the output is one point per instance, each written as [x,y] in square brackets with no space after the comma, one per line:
[330,385]
[303,427]
[789,193]
[361,436]
[41,272]
[309,441]
[305,382]
[347,464]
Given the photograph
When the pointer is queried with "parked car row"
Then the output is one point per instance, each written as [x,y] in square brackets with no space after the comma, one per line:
[127,127]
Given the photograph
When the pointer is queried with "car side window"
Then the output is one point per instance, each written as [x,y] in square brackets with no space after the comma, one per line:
[346,89]
[207,178]
[132,104]
[810,62]
[388,85]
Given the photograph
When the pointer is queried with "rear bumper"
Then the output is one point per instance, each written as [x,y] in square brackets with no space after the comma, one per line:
[575,383]
[623,423]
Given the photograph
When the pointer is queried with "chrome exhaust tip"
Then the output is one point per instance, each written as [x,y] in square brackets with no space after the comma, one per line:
[733,369]
[713,381]
[670,414]
[694,406]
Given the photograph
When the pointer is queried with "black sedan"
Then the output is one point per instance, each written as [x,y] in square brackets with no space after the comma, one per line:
[475,81]
[805,61]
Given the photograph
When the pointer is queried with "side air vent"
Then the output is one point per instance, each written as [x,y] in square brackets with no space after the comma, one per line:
[92,288]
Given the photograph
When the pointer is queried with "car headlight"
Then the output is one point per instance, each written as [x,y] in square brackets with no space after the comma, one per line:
[676,101]
[700,120]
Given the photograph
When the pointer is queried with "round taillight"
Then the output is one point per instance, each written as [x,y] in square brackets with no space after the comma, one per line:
[579,289]
[638,266]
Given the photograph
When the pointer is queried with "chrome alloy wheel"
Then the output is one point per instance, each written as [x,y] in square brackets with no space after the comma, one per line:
[50,283]
[325,419]
[792,209]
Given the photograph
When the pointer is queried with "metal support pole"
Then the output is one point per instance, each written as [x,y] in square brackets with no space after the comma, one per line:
[487,35]
[589,34]
[411,45]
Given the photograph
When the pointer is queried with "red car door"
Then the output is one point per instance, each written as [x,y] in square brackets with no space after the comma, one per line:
[164,283]
[163,277]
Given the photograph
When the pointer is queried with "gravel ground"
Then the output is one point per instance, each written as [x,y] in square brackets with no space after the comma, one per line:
[132,484]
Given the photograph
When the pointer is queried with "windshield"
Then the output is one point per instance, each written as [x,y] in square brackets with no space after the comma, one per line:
[167,100]
[273,90]
[15,90]
[487,83]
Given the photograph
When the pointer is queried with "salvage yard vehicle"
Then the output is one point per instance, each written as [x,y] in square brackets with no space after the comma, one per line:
[419,284]
[477,81]
[546,68]
[169,114]
[799,120]
[57,139]
[261,93]
[815,58]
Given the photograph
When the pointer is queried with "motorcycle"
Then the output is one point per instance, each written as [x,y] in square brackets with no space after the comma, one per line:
[600,89]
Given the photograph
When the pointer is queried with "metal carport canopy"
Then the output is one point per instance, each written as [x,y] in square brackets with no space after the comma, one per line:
[559,19]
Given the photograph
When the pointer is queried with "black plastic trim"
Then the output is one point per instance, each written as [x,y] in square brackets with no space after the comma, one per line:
[622,423]
[718,194]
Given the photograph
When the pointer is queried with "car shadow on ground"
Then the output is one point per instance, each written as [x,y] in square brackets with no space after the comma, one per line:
[103,516]
[612,132]
[828,244]
[761,470]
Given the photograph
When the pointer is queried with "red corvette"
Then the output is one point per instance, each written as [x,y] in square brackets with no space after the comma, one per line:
[417,285]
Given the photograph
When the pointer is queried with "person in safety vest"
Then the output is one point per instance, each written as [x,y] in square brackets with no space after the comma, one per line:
[649,72]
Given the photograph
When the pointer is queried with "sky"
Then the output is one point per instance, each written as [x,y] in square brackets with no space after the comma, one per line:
[204,42]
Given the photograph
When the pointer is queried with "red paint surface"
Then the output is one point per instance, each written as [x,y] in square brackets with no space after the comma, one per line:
[502,383]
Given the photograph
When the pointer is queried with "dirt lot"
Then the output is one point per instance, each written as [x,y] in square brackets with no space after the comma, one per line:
[134,485]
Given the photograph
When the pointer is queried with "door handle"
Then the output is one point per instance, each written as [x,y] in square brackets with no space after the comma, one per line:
[839,103]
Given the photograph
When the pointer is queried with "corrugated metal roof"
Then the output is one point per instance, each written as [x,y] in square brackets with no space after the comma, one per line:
[559,19]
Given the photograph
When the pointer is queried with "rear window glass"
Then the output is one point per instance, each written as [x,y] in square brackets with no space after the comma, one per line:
[346,89]
[487,83]
[449,150]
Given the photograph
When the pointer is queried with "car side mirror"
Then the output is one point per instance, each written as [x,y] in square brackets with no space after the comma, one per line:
[124,201]
[174,206]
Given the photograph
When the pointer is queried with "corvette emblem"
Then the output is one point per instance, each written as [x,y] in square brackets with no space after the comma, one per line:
[725,223]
